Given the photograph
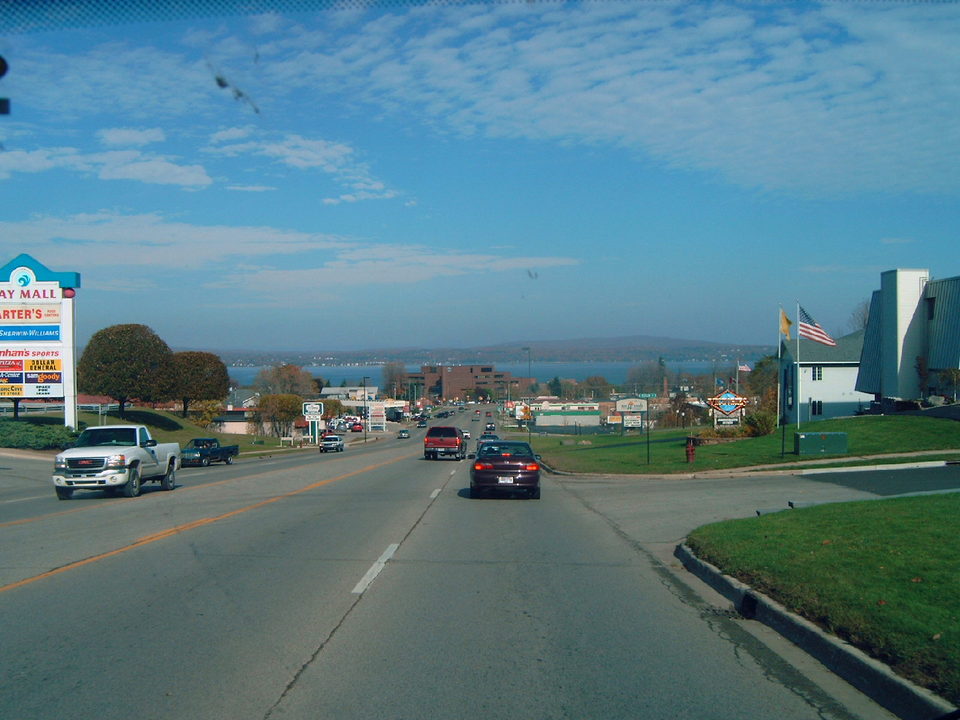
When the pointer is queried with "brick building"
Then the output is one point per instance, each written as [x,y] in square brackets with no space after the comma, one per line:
[466,382]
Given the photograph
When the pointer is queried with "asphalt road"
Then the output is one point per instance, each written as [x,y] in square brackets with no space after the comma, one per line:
[366,584]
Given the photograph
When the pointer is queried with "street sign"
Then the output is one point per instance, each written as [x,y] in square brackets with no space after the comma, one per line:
[646,396]
[312,408]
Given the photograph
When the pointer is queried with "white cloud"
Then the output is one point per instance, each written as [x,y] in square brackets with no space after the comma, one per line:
[817,100]
[295,151]
[280,266]
[813,99]
[109,165]
[251,188]
[234,133]
[131,136]
[157,171]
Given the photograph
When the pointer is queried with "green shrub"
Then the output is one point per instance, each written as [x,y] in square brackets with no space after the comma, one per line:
[760,423]
[31,436]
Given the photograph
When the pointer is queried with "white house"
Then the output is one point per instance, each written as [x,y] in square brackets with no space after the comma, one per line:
[824,379]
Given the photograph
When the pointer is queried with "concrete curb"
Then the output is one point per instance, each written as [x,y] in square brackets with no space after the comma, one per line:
[871,677]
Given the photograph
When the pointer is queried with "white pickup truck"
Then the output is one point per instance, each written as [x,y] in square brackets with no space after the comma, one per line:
[115,457]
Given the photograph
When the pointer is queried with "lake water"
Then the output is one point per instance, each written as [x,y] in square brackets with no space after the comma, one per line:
[614,372]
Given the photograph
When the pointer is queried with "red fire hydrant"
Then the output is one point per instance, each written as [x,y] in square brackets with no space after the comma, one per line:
[691,451]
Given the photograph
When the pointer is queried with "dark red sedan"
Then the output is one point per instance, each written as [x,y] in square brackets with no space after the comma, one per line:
[505,466]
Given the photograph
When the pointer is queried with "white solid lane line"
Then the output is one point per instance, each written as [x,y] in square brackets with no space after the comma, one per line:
[435,493]
[375,569]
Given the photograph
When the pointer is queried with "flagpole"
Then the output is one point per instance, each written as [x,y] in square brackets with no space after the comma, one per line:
[797,399]
[779,343]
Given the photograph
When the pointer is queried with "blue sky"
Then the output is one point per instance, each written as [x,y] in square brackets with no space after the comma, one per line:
[460,175]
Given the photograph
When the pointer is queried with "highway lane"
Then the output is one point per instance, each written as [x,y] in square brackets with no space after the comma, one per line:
[236,599]
[26,490]
[213,619]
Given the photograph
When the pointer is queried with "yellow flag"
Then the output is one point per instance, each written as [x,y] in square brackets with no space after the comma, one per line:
[785,324]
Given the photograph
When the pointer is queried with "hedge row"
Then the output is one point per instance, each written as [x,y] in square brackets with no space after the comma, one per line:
[30,436]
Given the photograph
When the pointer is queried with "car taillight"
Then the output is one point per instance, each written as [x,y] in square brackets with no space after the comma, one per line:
[483,466]
[531,467]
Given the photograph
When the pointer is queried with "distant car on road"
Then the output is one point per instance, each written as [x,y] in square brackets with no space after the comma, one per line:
[490,427]
[331,443]
[505,466]
[486,437]
[422,424]
[404,433]
[356,427]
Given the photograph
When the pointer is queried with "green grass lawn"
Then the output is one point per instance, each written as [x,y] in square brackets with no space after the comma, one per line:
[866,435]
[881,574]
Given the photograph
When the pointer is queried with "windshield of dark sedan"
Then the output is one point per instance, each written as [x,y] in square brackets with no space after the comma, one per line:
[498,449]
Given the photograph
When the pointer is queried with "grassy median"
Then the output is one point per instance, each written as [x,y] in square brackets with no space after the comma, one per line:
[881,574]
[867,435]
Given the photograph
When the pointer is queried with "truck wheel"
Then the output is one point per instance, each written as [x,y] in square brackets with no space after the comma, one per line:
[132,488]
[228,459]
[205,462]
[64,493]
[169,481]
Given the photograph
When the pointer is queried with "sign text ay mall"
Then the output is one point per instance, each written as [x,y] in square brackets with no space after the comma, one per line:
[37,349]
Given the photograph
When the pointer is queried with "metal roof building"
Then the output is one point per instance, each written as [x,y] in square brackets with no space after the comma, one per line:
[912,336]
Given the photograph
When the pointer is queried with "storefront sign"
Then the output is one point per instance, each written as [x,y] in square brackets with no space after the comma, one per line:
[728,402]
[37,333]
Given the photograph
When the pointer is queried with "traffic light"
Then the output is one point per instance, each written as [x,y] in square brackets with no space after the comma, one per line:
[4,102]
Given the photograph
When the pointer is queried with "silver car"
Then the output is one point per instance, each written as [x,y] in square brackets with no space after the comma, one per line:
[331,443]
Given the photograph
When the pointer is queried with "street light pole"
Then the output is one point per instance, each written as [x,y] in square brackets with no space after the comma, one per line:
[529,374]
[366,417]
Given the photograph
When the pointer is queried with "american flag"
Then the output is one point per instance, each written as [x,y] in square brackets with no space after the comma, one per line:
[810,329]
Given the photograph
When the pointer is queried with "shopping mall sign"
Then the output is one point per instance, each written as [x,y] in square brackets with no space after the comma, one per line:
[37,350]
[727,402]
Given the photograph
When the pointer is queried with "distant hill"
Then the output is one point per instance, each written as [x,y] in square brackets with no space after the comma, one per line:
[632,348]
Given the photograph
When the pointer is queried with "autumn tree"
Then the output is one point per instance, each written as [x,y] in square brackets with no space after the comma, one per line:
[950,378]
[278,412]
[333,408]
[597,387]
[205,412]
[762,382]
[644,377]
[394,379]
[199,376]
[125,362]
[859,316]
[286,380]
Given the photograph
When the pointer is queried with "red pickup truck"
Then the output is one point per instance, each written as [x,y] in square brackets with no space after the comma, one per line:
[443,440]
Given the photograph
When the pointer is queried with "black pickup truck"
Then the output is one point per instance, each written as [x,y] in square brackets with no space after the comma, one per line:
[203,451]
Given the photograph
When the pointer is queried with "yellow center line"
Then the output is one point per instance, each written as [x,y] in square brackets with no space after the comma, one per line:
[169,532]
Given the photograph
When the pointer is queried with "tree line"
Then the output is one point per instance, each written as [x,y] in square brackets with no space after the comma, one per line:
[132,363]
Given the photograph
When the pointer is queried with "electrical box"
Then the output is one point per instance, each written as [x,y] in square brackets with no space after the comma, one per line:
[824,443]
